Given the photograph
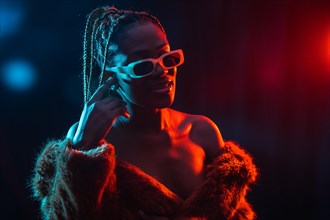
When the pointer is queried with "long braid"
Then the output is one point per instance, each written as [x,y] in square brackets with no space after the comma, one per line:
[92,56]
[115,22]
[95,23]
[87,67]
[101,24]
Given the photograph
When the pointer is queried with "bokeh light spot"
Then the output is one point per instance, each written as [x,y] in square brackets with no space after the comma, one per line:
[11,17]
[18,75]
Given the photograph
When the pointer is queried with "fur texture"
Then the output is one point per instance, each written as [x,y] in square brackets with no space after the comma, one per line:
[74,184]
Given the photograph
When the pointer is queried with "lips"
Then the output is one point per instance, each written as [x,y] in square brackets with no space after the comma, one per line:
[158,84]
[163,86]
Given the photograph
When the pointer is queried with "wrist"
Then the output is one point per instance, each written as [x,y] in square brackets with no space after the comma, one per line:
[84,144]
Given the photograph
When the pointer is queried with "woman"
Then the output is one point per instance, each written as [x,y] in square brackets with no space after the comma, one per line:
[130,156]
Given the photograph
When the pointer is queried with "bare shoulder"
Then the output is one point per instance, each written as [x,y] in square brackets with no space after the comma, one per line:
[204,132]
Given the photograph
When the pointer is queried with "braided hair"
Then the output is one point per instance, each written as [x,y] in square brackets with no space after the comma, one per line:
[99,41]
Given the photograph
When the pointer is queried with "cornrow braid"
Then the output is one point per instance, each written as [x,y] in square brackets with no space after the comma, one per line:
[101,25]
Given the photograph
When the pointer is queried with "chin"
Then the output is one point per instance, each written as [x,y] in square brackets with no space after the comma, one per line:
[163,102]
[157,101]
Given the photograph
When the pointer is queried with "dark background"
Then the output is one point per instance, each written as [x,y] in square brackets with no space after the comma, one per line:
[259,69]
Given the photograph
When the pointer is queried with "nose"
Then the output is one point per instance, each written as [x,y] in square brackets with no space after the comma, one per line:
[159,71]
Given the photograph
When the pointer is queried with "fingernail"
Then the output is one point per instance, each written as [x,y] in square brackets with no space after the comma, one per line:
[126,114]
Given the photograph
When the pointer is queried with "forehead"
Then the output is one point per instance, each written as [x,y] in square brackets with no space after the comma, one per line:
[141,37]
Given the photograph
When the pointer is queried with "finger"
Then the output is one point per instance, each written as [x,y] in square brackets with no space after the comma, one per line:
[110,103]
[98,94]
[111,99]
[121,112]
[121,92]
[114,93]
[115,104]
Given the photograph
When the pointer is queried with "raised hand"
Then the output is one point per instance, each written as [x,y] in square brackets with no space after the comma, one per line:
[97,118]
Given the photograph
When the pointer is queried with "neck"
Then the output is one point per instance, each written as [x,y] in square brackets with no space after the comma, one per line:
[143,119]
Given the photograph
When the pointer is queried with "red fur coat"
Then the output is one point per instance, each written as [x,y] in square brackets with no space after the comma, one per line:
[93,184]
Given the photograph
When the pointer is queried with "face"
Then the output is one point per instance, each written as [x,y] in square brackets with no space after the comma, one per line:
[141,41]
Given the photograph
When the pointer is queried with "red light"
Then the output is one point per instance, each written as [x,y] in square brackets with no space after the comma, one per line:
[328,51]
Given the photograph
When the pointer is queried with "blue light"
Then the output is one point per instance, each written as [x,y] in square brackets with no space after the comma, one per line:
[11,17]
[18,75]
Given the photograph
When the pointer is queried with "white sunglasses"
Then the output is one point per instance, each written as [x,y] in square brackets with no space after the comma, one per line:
[145,67]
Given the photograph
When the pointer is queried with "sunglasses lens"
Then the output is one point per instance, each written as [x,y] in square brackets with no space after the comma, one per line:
[171,60]
[143,68]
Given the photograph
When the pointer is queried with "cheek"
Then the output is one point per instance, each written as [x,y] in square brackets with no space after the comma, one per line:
[134,89]
[122,78]
[172,73]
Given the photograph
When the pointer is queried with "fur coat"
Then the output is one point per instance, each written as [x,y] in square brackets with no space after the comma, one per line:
[72,184]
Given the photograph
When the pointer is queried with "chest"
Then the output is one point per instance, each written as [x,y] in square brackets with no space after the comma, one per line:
[177,162]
